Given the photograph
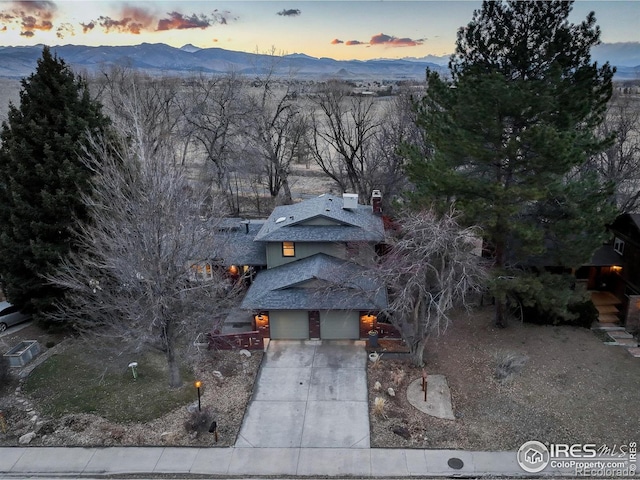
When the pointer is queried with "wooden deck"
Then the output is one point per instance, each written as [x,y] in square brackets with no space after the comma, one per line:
[604,298]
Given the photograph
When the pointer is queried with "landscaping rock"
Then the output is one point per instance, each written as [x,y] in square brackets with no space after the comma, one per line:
[26,438]
[402,432]
[168,437]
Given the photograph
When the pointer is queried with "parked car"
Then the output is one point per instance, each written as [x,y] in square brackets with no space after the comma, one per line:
[11,315]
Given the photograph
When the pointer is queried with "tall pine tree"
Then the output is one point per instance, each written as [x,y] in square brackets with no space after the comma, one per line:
[506,134]
[42,178]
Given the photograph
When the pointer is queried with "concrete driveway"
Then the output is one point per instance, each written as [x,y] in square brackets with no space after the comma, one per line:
[309,395]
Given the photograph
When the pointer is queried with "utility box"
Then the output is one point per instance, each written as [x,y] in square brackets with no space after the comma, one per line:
[23,353]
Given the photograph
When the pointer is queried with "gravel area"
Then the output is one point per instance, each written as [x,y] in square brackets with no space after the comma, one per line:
[571,388]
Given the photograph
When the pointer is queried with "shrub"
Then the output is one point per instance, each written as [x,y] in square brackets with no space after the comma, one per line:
[586,313]
[397,377]
[378,406]
[509,364]
[198,421]
[581,314]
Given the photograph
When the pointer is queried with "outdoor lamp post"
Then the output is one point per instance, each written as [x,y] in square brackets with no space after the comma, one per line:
[198,384]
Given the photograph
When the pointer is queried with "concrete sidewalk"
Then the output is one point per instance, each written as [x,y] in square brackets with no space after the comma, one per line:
[16,462]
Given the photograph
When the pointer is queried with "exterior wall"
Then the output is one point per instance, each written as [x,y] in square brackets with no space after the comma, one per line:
[632,316]
[303,250]
[314,324]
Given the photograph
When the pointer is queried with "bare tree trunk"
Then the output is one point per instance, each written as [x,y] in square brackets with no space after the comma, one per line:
[417,352]
[286,199]
[175,378]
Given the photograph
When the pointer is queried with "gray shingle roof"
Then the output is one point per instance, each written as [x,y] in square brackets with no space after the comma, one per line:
[359,224]
[237,246]
[319,282]
[605,256]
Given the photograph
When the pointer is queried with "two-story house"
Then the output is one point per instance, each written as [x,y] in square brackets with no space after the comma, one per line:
[316,283]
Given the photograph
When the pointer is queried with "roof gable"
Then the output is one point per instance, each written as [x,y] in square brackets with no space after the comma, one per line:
[322,218]
[627,224]
[319,220]
[307,284]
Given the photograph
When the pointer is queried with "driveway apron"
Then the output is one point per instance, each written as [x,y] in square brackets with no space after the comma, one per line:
[309,395]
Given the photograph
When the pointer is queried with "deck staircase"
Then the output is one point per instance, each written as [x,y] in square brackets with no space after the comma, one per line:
[607,305]
[609,321]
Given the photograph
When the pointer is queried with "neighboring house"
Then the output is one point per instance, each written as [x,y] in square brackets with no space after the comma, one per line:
[615,268]
[316,283]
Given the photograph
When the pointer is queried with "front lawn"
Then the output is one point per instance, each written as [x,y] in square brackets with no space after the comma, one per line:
[71,383]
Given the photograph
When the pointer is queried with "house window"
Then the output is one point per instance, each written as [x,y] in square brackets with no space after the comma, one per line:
[201,271]
[288,249]
[618,246]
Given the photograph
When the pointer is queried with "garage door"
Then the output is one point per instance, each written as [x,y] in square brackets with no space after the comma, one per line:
[289,324]
[339,325]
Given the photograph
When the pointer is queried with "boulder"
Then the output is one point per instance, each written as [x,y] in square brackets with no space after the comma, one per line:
[26,438]
[402,432]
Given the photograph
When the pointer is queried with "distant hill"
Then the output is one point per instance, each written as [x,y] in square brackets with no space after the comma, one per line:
[158,59]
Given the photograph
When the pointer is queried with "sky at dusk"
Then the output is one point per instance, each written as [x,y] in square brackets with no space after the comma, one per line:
[337,29]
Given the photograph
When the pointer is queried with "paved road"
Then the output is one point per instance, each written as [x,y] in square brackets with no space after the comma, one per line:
[309,395]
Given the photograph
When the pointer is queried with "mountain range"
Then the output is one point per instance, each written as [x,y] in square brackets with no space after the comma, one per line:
[158,59]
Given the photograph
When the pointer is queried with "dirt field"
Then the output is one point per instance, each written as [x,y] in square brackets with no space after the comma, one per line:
[572,388]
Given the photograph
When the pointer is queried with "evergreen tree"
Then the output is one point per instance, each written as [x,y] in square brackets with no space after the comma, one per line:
[506,134]
[42,178]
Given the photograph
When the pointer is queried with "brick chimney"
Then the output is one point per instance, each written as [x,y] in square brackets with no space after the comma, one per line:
[376,201]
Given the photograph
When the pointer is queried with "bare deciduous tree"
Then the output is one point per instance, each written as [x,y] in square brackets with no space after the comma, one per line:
[153,103]
[430,269]
[340,136]
[278,133]
[218,110]
[132,278]
[356,139]
[386,169]
[620,162]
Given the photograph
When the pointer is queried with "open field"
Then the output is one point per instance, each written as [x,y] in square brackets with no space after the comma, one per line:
[9,92]
[572,389]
